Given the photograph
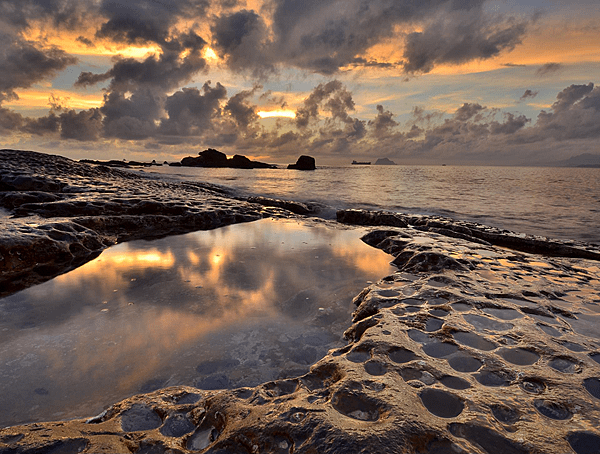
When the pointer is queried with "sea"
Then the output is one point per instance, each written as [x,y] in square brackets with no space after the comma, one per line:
[555,202]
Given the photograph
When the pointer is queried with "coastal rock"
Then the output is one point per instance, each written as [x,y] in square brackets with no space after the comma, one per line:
[295,207]
[443,359]
[468,348]
[384,162]
[65,212]
[304,163]
[474,232]
[214,158]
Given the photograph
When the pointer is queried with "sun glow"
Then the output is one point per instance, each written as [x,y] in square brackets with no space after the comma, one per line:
[276,113]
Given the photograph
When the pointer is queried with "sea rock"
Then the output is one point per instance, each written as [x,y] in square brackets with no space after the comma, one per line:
[440,359]
[63,213]
[384,162]
[304,163]
[468,348]
[214,158]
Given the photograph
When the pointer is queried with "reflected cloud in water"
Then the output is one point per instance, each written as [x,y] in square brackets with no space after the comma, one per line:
[225,308]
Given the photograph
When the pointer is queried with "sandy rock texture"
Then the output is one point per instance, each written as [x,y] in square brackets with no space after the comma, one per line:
[470,347]
[60,213]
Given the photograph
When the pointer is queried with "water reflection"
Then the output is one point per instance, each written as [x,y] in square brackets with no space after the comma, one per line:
[225,308]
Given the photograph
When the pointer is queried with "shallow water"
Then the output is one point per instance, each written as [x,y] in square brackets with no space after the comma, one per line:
[555,202]
[237,306]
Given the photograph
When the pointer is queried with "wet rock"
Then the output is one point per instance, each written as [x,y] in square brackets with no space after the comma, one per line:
[584,442]
[441,403]
[177,425]
[442,359]
[552,410]
[140,417]
[487,439]
[505,414]
[214,158]
[85,208]
[592,385]
[294,207]
[303,163]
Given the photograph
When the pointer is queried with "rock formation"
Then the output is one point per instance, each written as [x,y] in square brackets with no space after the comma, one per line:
[304,163]
[385,162]
[477,344]
[81,209]
[214,158]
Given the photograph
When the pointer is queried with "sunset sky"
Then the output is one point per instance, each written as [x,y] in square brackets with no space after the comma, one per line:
[419,82]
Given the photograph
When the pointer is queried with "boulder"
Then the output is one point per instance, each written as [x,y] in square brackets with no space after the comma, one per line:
[304,163]
[206,158]
[214,158]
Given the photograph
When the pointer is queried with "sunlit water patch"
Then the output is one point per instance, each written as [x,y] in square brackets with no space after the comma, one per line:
[226,308]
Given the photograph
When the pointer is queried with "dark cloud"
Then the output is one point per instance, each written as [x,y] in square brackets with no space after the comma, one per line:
[241,38]
[575,115]
[460,37]
[243,113]
[139,21]
[548,68]
[86,41]
[62,13]
[191,112]
[10,121]
[332,96]
[383,122]
[87,78]
[511,125]
[132,116]
[85,125]
[528,94]
[468,111]
[43,125]
[24,64]
[326,35]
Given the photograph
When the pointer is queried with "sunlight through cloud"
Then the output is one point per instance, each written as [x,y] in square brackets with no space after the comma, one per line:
[276,113]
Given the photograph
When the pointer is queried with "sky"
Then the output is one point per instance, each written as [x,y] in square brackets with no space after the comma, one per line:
[470,82]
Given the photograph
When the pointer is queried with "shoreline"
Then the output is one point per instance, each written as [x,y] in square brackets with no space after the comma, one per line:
[408,379]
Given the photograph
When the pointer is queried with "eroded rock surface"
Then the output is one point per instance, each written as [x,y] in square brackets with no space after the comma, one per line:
[468,348]
[60,213]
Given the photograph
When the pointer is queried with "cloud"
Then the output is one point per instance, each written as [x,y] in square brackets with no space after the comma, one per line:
[332,97]
[191,112]
[468,111]
[383,122]
[326,35]
[88,42]
[240,37]
[140,21]
[528,94]
[240,110]
[67,14]
[575,115]
[548,68]
[459,37]
[24,64]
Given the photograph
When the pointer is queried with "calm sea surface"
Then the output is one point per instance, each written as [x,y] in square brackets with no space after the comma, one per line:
[555,202]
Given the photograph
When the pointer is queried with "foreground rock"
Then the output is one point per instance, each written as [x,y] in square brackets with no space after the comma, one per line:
[214,158]
[303,163]
[474,346]
[63,213]
[467,349]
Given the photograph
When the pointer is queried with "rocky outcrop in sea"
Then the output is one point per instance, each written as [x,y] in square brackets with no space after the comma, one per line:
[483,341]
[214,158]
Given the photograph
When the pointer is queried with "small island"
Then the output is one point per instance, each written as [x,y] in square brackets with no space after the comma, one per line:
[214,158]
[384,162]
